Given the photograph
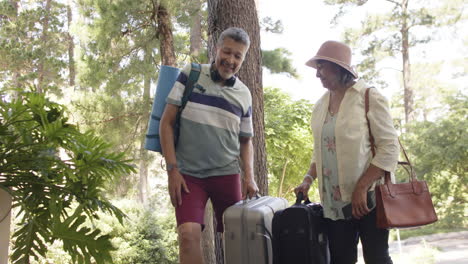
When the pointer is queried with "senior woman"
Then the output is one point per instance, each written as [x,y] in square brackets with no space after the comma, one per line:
[343,162]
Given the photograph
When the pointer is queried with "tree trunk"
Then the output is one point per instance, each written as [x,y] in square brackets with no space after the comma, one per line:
[16,74]
[143,171]
[408,91]
[283,175]
[144,157]
[165,37]
[71,48]
[196,29]
[166,41]
[208,239]
[243,13]
[219,251]
[45,28]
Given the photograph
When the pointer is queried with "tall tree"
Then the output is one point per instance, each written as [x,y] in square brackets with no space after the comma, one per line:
[129,40]
[243,13]
[191,17]
[396,32]
[33,45]
[44,39]
[196,29]
[165,36]
[71,47]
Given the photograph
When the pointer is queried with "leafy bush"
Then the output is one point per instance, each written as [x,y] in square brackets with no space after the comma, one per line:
[144,237]
[439,154]
[47,165]
[289,142]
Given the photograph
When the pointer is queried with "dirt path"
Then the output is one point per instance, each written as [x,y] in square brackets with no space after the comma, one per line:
[447,248]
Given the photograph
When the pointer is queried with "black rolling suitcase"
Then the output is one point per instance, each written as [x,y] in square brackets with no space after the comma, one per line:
[299,234]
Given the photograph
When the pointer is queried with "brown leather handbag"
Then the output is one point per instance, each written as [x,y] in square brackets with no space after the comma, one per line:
[403,204]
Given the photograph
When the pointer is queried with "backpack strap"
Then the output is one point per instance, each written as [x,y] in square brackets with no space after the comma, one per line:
[192,79]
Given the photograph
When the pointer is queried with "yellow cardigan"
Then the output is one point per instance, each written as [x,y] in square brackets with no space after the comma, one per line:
[352,136]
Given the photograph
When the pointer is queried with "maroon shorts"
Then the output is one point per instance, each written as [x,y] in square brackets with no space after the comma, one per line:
[223,191]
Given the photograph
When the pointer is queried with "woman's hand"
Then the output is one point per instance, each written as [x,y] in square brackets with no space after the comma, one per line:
[359,197]
[359,202]
[304,188]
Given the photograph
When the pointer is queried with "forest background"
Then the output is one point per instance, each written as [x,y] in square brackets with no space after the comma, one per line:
[78,79]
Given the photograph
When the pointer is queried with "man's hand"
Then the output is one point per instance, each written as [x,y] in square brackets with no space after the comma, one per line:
[250,188]
[176,184]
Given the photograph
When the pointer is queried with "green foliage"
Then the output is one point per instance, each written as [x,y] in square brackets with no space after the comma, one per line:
[47,164]
[278,61]
[430,91]
[27,50]
[380,35]
[145,236]
[269,25]
[119,63]
[289,142]
[122,43]
[439,154]
[184,11]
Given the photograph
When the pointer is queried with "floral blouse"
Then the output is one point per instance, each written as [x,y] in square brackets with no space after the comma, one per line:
[331,194]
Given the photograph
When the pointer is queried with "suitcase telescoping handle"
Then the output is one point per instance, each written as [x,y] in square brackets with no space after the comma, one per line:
[300,198]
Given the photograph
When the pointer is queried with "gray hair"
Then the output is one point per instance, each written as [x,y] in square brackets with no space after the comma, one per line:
[346,76]
[236,34]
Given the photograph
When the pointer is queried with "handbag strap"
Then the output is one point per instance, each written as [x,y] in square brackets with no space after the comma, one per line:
[371,137]
[372,142]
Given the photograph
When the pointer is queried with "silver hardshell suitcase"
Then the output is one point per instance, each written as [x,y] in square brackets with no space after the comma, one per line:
[247,230]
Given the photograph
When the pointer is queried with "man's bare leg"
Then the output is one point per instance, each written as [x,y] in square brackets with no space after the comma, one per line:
[190,251]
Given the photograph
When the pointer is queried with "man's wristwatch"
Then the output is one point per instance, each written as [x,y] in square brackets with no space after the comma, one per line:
[171,166]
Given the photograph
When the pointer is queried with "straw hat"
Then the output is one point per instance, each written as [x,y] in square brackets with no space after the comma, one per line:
[335,52]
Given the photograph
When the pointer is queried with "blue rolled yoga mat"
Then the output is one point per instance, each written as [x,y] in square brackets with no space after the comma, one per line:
[167,77]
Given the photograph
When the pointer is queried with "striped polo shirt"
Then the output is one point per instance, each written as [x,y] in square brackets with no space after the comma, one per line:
[212,122]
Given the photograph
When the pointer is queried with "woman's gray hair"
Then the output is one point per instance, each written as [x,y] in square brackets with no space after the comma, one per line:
[235,33]
[346,76]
